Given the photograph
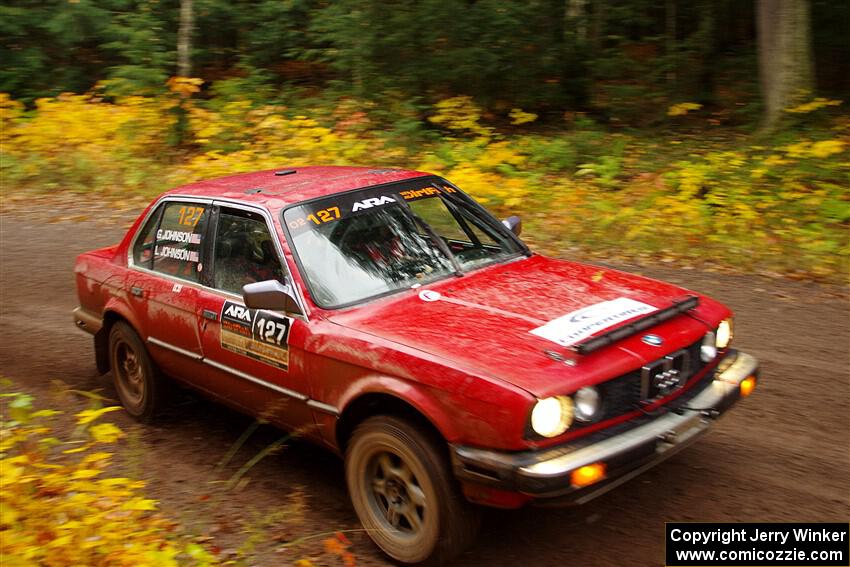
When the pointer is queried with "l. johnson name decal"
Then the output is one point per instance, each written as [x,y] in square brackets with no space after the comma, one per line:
[578,325]
[176,253]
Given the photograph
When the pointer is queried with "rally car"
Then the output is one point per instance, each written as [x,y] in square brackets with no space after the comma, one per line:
[386,315]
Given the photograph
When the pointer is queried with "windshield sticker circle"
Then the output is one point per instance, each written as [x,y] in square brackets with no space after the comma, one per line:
[429,295]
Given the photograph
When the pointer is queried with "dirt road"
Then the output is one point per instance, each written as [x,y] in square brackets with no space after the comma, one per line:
[781,455]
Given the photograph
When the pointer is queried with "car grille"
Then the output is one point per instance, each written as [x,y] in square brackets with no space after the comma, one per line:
[626,393]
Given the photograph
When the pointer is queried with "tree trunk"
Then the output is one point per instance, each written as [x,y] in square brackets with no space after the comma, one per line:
[577,22]
[785,55]
[597,26]
[670,47]
[184,39]
[708,52]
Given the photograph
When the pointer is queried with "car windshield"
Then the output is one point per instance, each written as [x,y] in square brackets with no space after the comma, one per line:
[363,244]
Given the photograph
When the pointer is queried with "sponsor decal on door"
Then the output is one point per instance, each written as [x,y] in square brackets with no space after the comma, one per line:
[255,333]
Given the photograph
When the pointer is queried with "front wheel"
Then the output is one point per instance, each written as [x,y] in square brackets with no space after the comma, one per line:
[403,492]
[137,380]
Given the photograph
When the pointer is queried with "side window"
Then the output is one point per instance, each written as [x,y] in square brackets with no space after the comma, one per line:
[434,212]
[143,249]
[244,251]
[177,250]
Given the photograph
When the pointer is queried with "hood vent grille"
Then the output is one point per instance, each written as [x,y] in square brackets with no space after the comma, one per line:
[595,343]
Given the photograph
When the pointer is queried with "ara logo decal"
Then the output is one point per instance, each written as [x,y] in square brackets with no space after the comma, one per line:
[236,311]
[652,340]
[371,202]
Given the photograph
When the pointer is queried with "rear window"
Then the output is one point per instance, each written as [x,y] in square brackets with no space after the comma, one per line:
[143,249]
[170,242]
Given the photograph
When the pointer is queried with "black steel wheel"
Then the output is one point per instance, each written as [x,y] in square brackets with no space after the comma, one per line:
[137,381]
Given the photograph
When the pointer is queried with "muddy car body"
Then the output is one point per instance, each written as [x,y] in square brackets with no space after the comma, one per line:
[387,316]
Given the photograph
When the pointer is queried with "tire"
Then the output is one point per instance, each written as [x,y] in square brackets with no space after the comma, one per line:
[137,380]
[404,493]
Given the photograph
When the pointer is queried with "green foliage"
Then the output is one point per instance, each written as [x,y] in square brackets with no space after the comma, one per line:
[608,167]
[624,62]
[50,47]
[143,45]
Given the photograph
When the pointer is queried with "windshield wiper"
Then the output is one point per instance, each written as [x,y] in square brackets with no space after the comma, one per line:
[487,217]
[439,242]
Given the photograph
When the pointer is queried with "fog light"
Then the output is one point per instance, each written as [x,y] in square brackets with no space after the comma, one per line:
[587,475]
[747,386]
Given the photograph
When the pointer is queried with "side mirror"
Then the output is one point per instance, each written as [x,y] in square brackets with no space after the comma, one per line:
[514,224]
[271,295]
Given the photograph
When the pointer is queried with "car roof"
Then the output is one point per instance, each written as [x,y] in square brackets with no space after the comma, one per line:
[275,189]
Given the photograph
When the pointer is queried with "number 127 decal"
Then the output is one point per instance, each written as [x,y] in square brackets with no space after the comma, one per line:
[271,329]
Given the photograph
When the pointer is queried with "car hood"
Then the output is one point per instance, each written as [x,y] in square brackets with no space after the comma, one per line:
[483,322]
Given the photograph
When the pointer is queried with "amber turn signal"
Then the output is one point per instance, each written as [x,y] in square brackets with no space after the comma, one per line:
[748,384]
[587,475]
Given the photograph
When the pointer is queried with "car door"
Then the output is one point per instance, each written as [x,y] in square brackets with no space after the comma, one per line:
[166,267]
[255,356]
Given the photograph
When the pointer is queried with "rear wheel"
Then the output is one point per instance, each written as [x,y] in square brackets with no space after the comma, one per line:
[403,492]
[136,378]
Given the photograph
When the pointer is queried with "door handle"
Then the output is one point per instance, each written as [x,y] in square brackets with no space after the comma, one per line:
[211,315]
[137,291]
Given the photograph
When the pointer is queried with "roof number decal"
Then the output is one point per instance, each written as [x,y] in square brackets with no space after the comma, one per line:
[332,208]
[578,325]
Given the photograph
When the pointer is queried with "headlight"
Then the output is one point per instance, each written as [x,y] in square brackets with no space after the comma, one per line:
[552,416]
[708,349]
[586,403]
[724,333]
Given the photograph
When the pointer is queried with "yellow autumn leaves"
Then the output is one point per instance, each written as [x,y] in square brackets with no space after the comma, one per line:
[682,108]
[781,207]
[59,507]
[806,149]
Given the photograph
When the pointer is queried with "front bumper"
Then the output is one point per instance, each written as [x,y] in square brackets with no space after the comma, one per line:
[87,321]
[545,475]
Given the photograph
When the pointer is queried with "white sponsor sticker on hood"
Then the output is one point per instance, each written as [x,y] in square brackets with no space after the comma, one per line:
[578,325]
